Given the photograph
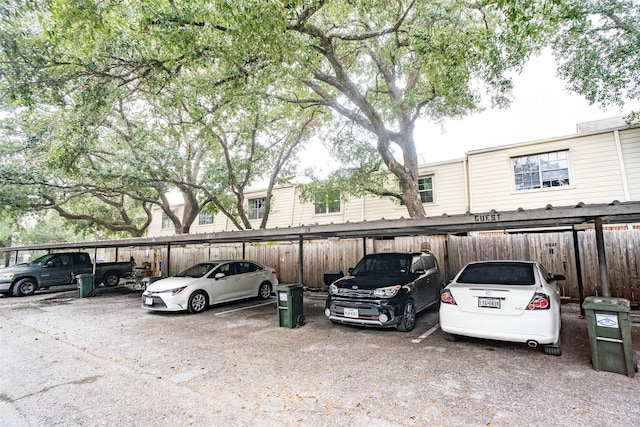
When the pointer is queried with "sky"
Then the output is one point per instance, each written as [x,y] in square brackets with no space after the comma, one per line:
[542,108]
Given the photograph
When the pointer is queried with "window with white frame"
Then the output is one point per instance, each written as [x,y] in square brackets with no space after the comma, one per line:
[425,188]
[166,221]
[546,170]
[329,204]
[205,218]
[256,208]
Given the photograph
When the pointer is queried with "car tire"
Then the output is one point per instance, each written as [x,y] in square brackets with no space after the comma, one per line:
[554,349]
[450,337]
[264,291]
[408,317]
[111,279]
[198,302]
[25,287]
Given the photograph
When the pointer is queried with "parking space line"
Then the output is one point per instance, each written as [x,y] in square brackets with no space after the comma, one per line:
[244,308]
[426,334]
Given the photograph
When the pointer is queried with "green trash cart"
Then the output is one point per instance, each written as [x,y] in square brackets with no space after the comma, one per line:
[610,335]
[85,285]
[290,301]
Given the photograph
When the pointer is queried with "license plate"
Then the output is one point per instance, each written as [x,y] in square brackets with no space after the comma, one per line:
[489,302]
[351,312]
[148,301]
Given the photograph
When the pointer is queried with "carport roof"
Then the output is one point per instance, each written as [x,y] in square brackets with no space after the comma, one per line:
[550,216]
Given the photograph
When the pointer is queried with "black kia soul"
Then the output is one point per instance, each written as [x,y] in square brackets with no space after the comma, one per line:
[386,290]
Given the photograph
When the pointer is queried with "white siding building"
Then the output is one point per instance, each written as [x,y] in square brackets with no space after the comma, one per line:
[594,166]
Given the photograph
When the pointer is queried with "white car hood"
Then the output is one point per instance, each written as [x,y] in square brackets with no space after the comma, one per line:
[170,283]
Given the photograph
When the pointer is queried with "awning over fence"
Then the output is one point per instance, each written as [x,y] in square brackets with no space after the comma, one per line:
[550,216]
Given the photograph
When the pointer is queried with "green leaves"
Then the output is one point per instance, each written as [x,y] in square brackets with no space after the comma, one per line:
[120,102]
[597,50]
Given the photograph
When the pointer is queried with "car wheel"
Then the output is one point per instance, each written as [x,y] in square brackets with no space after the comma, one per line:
[449,337]
[110,280]
[554,349]
[408,317]
[264,291]
[25,287]
[198,302]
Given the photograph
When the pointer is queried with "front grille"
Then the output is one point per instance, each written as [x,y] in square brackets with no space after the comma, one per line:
[355,293]
[157,302]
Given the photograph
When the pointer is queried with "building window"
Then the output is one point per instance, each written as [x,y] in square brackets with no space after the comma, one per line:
[256,208]
[330,204]
[425,188]
[541,171]
[205,218]
[166,221]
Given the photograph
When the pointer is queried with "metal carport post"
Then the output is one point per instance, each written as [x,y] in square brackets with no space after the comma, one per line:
[300,259]
[576,249]
[168,259]
[602,259]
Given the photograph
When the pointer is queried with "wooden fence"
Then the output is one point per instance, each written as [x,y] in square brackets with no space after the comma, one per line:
[554,250]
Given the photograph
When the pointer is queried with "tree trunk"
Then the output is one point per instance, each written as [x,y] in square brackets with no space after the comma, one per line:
[408,176]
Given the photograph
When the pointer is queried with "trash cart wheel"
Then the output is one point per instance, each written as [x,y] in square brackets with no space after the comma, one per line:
[301,320]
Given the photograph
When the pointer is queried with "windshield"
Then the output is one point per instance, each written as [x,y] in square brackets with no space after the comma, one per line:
[383,265]
[198,270]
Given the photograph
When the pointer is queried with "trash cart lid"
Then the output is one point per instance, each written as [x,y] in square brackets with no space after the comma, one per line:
[606,303]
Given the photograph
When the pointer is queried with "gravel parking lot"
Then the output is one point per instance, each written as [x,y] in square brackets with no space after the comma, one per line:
[105,361]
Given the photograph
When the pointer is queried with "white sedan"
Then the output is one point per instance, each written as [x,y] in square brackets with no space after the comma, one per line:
[513,301]
[209,283]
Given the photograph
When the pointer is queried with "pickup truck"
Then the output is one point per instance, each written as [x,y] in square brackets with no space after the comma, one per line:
[386,290]
[58,269]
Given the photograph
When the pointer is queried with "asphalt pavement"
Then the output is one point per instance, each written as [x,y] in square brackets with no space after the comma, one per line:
[105,361]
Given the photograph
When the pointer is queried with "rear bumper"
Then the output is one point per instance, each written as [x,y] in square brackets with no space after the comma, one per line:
[541,326]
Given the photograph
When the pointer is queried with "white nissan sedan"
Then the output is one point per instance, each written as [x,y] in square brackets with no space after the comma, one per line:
[513,301]
[209,283]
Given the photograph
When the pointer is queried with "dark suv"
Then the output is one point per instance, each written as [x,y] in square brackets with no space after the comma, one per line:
[386,290]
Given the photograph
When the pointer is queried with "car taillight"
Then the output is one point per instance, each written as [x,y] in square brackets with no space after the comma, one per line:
[539,302]
[447,298]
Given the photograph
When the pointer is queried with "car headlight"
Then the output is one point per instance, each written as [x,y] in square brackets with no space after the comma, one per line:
[388,292]
[6,276]
[333,289]
[173,292]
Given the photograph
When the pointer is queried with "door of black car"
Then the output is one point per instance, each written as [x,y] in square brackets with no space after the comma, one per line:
[421,282]
[433,278]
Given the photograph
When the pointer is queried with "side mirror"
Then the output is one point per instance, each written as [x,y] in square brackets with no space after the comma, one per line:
[419,271]
[219,276]
[556,277]
[350,270]
[47,264]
